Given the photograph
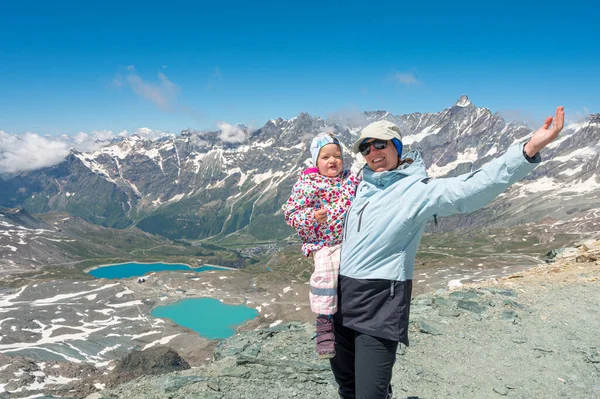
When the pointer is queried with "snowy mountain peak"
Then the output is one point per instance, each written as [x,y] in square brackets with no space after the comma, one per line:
[151,134]
[594,119]
[143,131]
[463,101]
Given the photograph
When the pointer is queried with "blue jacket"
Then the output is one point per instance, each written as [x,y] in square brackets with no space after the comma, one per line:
[384,227]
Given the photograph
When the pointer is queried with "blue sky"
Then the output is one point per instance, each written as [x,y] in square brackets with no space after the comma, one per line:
[116,66]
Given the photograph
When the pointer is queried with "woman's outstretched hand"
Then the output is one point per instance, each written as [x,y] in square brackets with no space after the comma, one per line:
[546,134]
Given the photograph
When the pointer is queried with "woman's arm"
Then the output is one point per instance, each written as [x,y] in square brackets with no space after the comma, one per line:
[471,191]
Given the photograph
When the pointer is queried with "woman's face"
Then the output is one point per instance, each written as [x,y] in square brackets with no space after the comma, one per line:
[330,160]
[381,160]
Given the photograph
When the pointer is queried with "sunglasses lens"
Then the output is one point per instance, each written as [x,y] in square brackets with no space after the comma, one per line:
[379,144]
[365,148]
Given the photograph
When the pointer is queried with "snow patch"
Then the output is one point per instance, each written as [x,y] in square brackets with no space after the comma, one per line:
[275,323]
[469,155]
[415,138]
[162,341]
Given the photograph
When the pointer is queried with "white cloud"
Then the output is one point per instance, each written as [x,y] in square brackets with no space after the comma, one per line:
[90,142]
[349,116]
[29,151]
[162,92]
[231,133]
[197,141]
[574,116]
[151,134]
[32,151]
[406,78]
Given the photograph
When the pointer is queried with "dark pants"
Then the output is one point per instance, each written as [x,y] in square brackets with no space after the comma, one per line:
[363,364]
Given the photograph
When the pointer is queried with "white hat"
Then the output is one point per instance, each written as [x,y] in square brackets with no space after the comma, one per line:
[383,130]
[320,141]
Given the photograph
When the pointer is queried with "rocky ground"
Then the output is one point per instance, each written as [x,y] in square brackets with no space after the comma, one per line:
[65,336]
[530,334]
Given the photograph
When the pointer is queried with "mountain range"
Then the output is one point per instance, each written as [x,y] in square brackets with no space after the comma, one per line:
[229,185]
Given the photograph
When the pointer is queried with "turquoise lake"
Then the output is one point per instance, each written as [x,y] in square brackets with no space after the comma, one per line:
[209,317]
[126,270]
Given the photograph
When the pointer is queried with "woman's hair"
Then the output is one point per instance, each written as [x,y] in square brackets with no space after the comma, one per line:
[405,160]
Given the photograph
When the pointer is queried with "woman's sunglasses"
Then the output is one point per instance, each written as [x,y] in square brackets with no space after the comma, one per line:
[365,148]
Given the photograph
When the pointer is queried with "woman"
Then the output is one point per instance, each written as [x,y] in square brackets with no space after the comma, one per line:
[383,228]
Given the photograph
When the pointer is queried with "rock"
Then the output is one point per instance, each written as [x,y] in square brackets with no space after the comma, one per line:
[233,349]
[543,351]
[568,253]
[235,372]
[421,305]
[401,350]
[448,313]
[513,304]
[213,384]
[586,257]
[441,302]
[419,308]
[503,292]
[508,315]
[424,300]
[501,391]
[592,355]
[152,361]
[553,253]
[470,294]
[470,306]
[175,383]
[591,245]
[426,328]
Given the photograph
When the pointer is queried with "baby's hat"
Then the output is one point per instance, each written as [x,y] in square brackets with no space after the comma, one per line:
[320,141]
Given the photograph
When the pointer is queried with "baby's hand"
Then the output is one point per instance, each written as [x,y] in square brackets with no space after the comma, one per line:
[321,215]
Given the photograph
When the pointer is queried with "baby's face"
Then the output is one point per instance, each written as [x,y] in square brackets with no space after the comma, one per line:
[330,161]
